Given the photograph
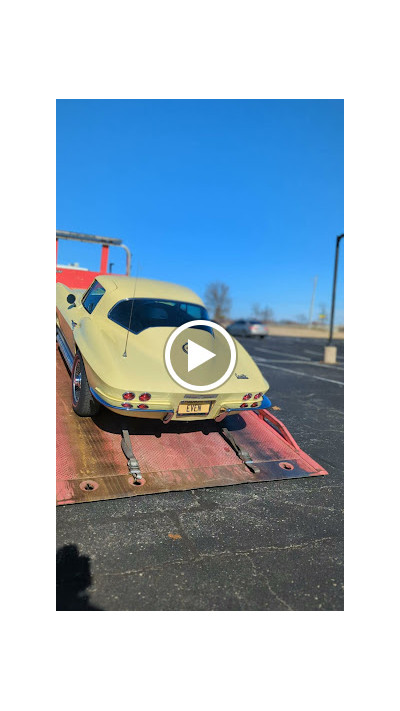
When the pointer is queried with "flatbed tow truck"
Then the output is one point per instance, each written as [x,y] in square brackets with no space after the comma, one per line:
[110,456]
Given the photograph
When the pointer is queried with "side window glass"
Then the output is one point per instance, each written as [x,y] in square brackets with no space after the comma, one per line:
[93,297]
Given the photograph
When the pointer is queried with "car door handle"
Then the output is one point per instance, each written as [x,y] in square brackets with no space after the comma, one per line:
[73,324]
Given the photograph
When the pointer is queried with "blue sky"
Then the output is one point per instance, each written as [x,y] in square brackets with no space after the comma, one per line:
[245,192]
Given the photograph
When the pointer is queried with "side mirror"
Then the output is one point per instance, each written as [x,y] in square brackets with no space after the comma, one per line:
[71,298]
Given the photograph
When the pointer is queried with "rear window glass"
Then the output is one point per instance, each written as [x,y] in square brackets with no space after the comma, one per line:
[138,314]
[256,323]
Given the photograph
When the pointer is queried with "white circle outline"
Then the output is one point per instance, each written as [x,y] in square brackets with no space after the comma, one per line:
[175,376]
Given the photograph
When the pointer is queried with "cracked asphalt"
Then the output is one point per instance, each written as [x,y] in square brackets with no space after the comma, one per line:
[264,546]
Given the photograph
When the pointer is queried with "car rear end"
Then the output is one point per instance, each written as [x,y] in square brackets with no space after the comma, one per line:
[257,328]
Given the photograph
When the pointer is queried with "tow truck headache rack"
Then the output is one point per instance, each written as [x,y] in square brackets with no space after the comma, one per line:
[91,466]
[78,278]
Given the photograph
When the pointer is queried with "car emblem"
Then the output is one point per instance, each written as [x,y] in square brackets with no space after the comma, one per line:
[242,377]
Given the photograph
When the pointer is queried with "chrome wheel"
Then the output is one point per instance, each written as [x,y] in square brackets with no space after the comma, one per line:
[76,381]
[83,403]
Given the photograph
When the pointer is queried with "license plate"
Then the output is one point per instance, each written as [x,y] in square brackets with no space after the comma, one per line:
[194,408]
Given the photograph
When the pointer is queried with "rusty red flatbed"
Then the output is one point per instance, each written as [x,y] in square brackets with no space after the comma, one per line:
[172,457]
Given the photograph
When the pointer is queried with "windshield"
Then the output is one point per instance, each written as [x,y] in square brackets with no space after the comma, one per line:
[138,314]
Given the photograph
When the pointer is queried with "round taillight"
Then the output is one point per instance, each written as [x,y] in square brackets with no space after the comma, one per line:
[127,405]
[144,397]
[257,397]
[244,404]
[254,404]
[143,407]
[128,396]
[247,397]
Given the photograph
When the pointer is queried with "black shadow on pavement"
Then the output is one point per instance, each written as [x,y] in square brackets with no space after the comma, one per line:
[73,578]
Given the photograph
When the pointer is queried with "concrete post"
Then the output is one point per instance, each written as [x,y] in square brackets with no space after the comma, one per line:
[330,355]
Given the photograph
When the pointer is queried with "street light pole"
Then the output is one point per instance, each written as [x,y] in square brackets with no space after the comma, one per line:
[334,289]
[310,316]
[330,349]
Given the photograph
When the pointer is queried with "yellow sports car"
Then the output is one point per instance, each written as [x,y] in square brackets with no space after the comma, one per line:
[113,337]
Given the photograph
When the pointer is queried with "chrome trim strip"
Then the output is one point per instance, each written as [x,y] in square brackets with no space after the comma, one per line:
[244,409]
[200,397]
[117,407]
[65,349]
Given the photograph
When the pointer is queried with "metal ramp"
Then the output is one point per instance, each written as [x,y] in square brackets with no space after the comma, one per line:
[243,448]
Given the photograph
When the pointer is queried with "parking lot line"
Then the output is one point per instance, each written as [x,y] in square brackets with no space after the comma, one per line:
[316,353]
[262,361]
[302,362]
[271,350]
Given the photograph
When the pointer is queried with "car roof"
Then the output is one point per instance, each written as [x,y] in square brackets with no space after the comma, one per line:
[124,287]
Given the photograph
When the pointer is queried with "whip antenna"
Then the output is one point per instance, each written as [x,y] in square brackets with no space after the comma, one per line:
[124,355]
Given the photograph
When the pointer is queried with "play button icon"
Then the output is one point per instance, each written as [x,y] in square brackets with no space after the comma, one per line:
[201,351]
[197,355]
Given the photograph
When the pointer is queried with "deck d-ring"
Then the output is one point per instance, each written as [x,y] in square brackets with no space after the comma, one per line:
[88,485]
[136,482]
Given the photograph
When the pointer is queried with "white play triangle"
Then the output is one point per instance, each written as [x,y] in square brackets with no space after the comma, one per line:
[197,355]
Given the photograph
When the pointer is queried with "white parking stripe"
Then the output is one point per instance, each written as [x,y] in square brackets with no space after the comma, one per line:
[302,362]
[325,365]
[281,360]
[271,350]
[262,361]
[316,353]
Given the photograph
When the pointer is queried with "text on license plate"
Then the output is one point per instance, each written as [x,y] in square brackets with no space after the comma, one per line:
[194,408]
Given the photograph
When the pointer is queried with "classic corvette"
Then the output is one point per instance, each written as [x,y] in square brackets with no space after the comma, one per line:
[113,338]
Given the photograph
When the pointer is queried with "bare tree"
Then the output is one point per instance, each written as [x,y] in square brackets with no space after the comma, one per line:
[218,300]
[264,314]
[267,314]
[301,318]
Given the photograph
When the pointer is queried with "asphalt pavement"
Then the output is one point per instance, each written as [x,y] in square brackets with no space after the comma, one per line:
[264,546]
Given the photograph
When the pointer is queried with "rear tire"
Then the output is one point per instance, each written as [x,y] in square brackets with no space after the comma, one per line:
[83,402]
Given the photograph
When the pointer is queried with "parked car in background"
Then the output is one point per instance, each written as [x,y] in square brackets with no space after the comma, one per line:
[248,328]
